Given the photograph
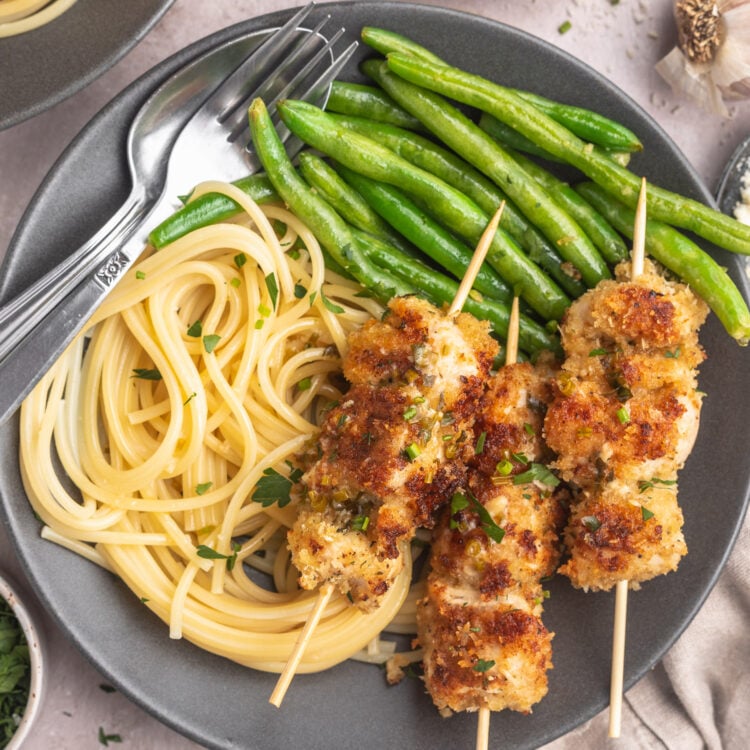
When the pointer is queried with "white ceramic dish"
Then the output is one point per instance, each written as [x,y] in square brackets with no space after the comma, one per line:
[28,620]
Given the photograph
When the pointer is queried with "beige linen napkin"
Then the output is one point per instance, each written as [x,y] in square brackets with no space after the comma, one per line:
[698,696]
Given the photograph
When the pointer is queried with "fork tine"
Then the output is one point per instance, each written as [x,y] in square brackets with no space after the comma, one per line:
[317,93]
[270,92]
[254,67]
[289,70]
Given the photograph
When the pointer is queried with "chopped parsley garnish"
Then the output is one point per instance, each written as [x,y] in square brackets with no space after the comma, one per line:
[240,260]
[598,352]
[331,306]
[673,355]
[210,341]
[203,488]
[140,275]
[528,429]
[145,374]
[105,739]
[459,502]
[479,447]
[299,291]
[235,282]
[273,488]
[211,554]
[195,330]
[622,415]
[537,473]
[412,451]
[410,413]
[360,523]
[646,513]
[483,665]
[273,288]
[304,384]
[14,672]
[647,484]
[564,27]
[592,523]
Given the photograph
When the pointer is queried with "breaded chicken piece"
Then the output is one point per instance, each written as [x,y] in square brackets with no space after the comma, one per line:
[623,422]
[480,621]
[393,451]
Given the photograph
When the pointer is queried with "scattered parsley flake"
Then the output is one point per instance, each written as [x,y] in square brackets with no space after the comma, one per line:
[240,259]
[646,513]
[479,447]
[360,523]
[145,374]
[140,275]
[331,306]
[489,526]
[483,665]
[208,553]
[196,330]
[299,291]
[592,523]
[564,27]
[273,288]
[304,384]
[647,484]
[203,488]
[235,282]
[273,487]
[210,341]
[537,473]
[105,739]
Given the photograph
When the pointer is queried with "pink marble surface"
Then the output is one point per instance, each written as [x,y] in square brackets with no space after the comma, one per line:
[623,41]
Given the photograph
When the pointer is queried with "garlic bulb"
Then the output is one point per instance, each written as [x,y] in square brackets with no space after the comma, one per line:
[712,60]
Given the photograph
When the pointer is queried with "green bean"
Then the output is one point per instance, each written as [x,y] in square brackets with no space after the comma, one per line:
[333,233]
[481,150]
[587,124]
[360,100]
[210,208]
[440,289]
[684,258]
[404,216]
[453,209]
[663,205]
[349,204]
[513,139]
[446,165]
[605,238]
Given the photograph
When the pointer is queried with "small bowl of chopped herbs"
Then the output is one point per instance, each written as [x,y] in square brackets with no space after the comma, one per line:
[21,675]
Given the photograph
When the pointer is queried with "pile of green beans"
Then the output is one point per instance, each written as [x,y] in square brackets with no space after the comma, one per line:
[403,183]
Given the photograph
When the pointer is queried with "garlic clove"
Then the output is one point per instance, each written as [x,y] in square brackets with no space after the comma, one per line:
[712,61]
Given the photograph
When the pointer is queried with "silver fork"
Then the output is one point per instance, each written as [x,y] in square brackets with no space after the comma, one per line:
[212,145]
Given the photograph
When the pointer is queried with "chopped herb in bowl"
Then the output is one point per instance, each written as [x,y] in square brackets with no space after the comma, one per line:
[15,673]
[21,679]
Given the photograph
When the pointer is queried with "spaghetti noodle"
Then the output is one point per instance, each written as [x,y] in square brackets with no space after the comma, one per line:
[204,373]
[20,16]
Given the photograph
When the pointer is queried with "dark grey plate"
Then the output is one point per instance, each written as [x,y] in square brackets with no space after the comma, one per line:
[44,66]
[225,706]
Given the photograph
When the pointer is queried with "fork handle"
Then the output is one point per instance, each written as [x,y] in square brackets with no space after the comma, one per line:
[21,314]
[52,328]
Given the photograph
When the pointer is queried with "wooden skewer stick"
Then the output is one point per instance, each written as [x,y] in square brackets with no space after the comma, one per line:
[511,357]
[290,668]
[476,262]
[326,591]
[621,590]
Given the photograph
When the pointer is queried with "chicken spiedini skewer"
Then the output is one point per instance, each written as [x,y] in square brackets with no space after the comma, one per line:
[393,450]
[485,646]
[451,373]
[623,422]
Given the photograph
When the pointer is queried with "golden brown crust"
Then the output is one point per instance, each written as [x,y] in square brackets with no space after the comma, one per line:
[624,416]
[393,451]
